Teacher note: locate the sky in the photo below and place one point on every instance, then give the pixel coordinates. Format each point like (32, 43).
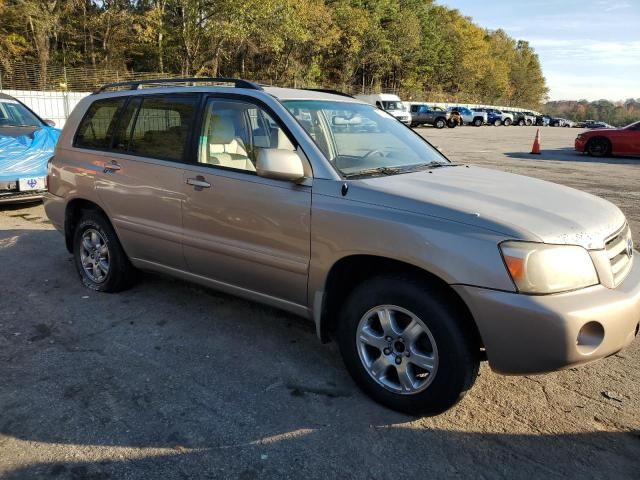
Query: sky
(588, 48)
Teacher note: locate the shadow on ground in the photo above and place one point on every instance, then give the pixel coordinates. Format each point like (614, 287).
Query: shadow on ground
(417, 454)
(570, 155)
(168, 380)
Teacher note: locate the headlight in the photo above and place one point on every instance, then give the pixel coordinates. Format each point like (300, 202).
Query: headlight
(580, 136)
(540, 268)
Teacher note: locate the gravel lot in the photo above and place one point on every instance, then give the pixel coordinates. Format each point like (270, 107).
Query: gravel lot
(171, 381)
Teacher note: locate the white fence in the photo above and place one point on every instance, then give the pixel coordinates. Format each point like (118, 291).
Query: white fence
(56, 106)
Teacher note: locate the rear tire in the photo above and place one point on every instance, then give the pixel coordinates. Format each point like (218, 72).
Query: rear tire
(521, 123)
(497, 123)
(598, 147)
(420, 319)
(507, 122)
(101, 262)
(477, 122)
(529, 123)
(452, 124)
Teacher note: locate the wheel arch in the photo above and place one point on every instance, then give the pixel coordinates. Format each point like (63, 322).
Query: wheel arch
(73, 213)
(350, 271)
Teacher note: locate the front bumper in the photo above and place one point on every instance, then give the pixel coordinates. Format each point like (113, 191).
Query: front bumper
(525, 334)
(580, 144)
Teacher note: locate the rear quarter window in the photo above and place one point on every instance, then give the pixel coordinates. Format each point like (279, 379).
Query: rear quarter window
(96, 128)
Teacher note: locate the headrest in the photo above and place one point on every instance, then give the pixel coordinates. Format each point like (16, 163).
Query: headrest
(221, 130)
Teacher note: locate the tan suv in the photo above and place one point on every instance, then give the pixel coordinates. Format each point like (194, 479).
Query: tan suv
(325, 206)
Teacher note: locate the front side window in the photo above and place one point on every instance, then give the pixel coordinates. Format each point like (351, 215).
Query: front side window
(161, 128)
(234, 132)
(14, 114)
(96, 128)
(357, 138)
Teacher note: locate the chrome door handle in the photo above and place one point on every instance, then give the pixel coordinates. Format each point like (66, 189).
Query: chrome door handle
(111, 167)
(198, 182)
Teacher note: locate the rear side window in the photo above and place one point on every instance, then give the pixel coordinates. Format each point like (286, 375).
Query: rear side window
(96, 128)
(161, 127)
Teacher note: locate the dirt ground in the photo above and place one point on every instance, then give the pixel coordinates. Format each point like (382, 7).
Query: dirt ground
(168, 380)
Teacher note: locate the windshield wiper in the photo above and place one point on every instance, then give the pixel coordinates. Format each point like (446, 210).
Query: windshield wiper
(374, 171)
(399, 169)
(430, 165)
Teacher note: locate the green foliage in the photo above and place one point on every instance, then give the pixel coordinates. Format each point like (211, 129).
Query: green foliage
(618, 114)
(415, 47)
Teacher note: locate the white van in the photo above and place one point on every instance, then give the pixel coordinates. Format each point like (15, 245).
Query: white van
(390, 104)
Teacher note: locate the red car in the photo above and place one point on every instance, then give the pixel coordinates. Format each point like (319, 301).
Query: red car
(613, 141)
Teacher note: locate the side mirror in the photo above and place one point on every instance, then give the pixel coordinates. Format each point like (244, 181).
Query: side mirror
(51, 123)
(279, 164)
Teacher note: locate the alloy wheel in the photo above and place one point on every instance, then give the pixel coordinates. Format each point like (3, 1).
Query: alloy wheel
(94, 255)
(397, 349)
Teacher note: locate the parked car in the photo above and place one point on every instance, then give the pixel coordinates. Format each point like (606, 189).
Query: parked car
(417, 266)
(543, 120)
(469, 116)
(524, 118)
(26, 144)
(496, 117)
(423, 114)
(610, 141)
(390, 104)
(598, 125)
(560, 122)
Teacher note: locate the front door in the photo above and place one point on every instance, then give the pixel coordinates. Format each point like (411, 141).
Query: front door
(241, 230)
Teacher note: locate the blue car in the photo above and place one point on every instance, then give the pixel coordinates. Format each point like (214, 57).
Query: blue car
(26, 144)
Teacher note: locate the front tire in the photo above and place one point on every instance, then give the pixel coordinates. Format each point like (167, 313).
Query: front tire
(407, 345)
(521, 123)
(507, 122)
(497, 123)
(598, 147)
(478, 122)
(101, 262)
(452, 124)
(440, 123)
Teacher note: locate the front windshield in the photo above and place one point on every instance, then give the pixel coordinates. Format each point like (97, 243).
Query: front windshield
(393, 105)
(357, 138)
(14, 114)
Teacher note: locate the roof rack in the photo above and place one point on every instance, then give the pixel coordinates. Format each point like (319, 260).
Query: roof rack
(136, 84)
(328, 90)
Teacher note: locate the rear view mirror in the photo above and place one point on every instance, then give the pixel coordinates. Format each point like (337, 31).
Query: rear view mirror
(51, 123)
(279, 164)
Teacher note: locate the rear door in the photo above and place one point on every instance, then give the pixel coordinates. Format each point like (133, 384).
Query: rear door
(140, 184)
(242, 230)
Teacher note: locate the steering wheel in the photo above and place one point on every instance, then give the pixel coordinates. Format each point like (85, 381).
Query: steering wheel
(373, 152)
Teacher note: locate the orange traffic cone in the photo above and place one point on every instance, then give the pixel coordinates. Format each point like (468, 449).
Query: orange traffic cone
(535, 150)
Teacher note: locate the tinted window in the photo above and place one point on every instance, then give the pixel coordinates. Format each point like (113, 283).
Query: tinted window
(162, 125)
(124, 126)
(96, 128)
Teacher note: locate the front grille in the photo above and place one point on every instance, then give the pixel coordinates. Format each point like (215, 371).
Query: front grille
(619, 249)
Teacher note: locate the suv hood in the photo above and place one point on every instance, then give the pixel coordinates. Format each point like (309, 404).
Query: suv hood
(517, 206)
